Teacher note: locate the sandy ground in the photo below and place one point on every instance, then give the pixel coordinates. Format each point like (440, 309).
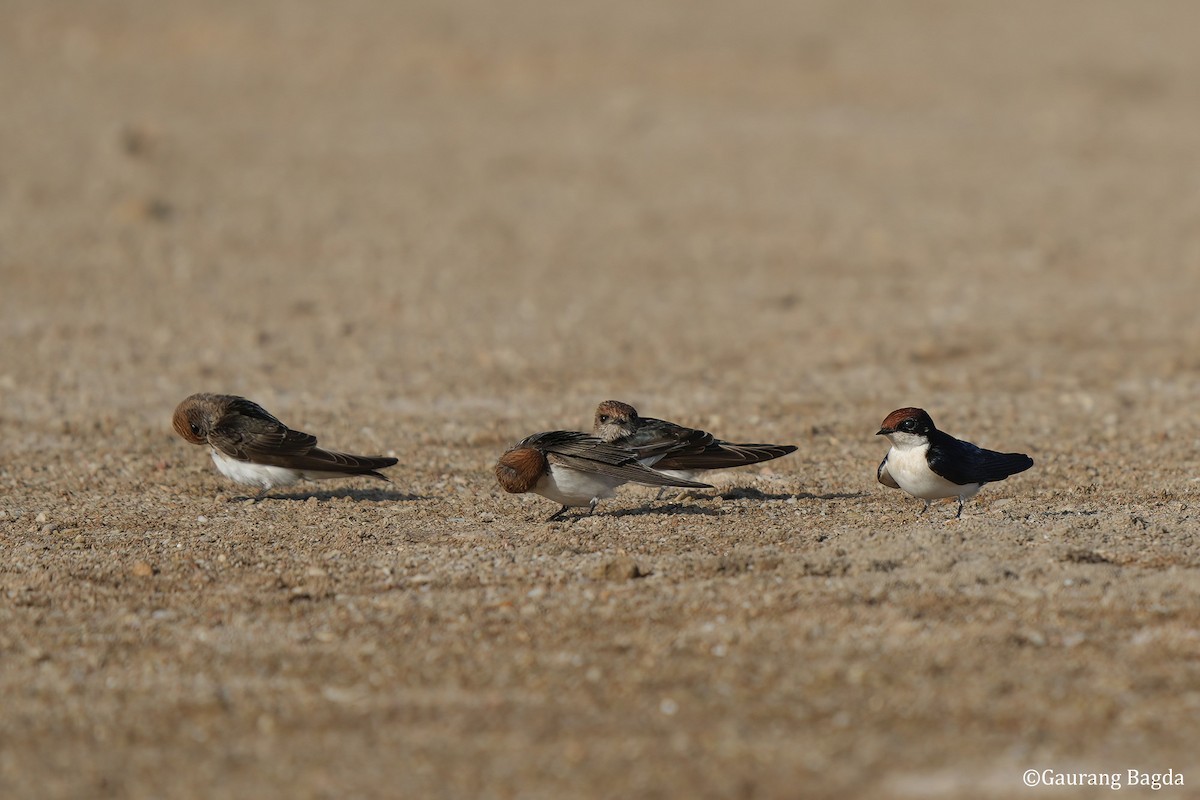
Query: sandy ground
(429, 229)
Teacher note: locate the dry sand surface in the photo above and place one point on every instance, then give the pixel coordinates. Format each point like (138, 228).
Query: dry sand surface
(429, 229)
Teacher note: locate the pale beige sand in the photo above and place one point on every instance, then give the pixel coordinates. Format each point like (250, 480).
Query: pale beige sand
(432, 228)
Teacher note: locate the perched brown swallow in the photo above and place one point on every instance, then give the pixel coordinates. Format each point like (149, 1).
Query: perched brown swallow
(251, 447)
(575, 469)
(931, 465)
(673, 449)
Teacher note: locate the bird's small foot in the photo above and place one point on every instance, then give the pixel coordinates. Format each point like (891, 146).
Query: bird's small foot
(557, 515)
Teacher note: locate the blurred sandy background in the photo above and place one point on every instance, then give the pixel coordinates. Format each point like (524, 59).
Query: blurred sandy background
(430, 229)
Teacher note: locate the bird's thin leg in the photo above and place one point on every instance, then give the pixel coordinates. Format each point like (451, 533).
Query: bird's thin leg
(658, 496)
(960, 505)
(557, 514)
(262, 493)
(592, 506)
(923, 510)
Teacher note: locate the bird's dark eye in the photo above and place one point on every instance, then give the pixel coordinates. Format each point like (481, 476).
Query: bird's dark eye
(195, 428)
(604, 417)
(908, 425)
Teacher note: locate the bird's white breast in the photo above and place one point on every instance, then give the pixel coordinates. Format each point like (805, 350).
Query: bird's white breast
(248, 474)
(908, 464)
(570, 487)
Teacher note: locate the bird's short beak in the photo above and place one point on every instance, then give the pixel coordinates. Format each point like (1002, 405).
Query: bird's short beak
(883, 432)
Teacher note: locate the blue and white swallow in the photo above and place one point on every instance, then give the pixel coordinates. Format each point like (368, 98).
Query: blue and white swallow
(932, 465)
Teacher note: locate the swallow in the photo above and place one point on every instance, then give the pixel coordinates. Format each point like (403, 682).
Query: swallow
(251, 447)
(575, 469)
(673, 449)
(930, 464)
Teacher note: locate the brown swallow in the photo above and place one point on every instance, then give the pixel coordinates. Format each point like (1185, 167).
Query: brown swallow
(575, 469)
(253, 448)
(673, 449)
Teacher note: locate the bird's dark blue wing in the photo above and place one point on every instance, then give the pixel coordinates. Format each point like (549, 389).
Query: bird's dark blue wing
(962, 462)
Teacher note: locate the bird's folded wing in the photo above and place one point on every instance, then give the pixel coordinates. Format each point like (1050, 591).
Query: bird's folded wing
(657, 439)
(249, 433)
(630, 471)
(252, 439)
(962, 462)
(722, 455)
(319, 460)
(586, 453)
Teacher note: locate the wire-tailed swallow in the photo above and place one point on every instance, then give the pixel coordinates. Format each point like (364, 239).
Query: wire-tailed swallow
(931, 465)
(251, 447)
(575, 469)
(673, 449)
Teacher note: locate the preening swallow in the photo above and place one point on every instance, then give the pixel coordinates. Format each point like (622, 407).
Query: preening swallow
(575, 469)
(931, 465)
(673, 449)
(251, 447)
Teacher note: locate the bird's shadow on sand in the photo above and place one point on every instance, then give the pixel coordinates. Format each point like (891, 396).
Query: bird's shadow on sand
(661, 508)
(366, 495)
(754, 494)
(666, 508)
